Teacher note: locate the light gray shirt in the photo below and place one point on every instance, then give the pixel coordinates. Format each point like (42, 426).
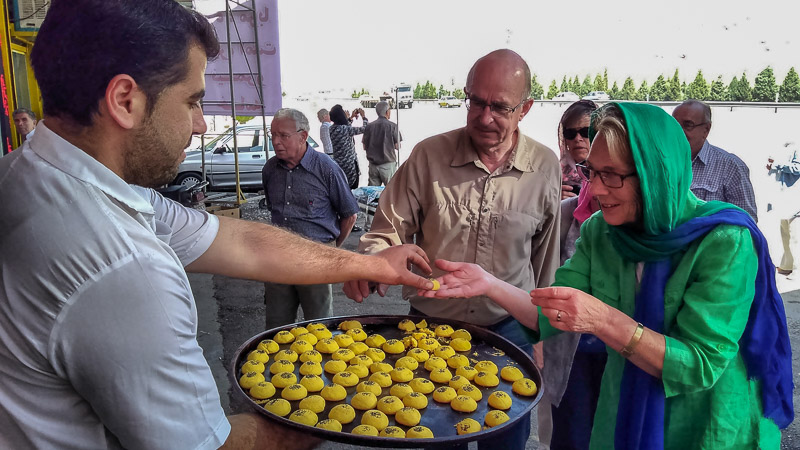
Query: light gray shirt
(98, 326)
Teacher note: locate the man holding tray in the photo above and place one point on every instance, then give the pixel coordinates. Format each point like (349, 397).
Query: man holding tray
(98, 326)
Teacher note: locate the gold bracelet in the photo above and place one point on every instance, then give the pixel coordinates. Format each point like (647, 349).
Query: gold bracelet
(628, 350)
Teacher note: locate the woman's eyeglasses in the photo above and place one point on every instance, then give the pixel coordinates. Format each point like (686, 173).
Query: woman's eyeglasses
(570, 133)
(610, 179)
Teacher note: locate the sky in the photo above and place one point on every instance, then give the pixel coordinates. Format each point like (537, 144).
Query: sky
(345, 45)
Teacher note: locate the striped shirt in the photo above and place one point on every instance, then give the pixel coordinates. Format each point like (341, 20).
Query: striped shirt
(719, 175)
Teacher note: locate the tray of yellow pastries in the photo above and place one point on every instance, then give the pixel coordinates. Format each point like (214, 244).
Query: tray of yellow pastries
(388, 381)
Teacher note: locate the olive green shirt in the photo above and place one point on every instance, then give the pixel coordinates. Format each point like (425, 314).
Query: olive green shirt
(710, 403)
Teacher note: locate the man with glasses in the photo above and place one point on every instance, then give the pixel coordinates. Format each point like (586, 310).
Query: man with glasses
(484, 194)
(716, 174)
(308, 194)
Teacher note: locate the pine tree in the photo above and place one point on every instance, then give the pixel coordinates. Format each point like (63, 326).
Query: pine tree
(564, 85)
(659, 90)
(732, 88)
(698, 89)
(586, 87)
(418, 91)
(537, 91)
(741, 91)
(718, 91)
(605, 80)
(674, 88)
(576, 85)
(614, 92)
(628, 91)
(552, 91)
(790, 89)
(764, 88)
(598, 83)
(643, 93)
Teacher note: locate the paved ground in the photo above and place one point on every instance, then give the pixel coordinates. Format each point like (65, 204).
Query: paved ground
(231, 311)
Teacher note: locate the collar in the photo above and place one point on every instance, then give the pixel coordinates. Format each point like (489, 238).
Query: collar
(78, 164)
(521, 156)
(702, 155)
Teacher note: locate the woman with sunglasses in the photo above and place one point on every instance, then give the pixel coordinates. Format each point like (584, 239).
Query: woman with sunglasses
(681, 291)
(573, 140)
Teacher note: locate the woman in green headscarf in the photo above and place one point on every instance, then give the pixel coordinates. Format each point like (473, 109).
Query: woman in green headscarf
(681, 291)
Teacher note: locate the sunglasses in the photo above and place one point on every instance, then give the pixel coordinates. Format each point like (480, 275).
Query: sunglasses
(570, 133)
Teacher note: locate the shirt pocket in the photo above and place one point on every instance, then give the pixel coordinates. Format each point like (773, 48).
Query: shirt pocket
(707, 191)
(510, 236)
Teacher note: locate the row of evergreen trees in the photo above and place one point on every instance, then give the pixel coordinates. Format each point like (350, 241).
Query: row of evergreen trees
(765, 88)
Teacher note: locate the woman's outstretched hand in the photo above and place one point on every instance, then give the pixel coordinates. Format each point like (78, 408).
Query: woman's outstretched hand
(463, 280)
(571, 309)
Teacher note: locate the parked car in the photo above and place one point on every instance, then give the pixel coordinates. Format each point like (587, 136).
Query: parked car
(597, 95)
(219, 158)
(567, 97)
(449, 101)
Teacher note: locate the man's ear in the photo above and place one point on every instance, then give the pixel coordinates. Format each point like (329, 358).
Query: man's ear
(124, 102)
(526, 106)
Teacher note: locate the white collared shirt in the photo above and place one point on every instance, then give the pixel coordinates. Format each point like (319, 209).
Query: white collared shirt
(98, 325)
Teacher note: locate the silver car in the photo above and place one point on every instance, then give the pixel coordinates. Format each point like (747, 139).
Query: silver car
(220, 167)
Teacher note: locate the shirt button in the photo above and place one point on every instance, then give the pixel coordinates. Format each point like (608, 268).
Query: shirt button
(287, 203)
(290, 187)
(472, 311)
(485, 209)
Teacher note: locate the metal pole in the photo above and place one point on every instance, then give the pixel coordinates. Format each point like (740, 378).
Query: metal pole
(228, 16)
(260, 79)
(397, 104)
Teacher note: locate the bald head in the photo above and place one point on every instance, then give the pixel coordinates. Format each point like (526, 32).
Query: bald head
(504, 61)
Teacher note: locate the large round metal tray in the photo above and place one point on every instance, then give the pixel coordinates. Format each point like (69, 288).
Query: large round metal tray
(440, 418)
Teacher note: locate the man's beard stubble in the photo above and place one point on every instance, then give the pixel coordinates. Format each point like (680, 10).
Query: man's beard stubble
(146, 158)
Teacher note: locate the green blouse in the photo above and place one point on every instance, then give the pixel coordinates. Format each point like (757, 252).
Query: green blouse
(710, 403)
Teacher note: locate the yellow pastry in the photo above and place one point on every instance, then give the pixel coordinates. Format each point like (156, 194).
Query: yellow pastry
(419, 432)
(511, 374)
(441, 375)
(407, 362)
(262, 390)
(358, 334)
(253, 366)
(409, 342)
(525, 386)
(308, 337)
(470, 391)
(444, 394)
(258, 355)
(284, 337)
(494, 418)
(408, 416)
(370, 386)
(380, 367)
(457, 382)
(329, 424)
(278, 406)
(304, 416)
(461, 345)
(343, 413)
(464, 403)
(269, 346)
(297, 331)
(313, 403)
(400, 390)
(287, 355)
(422, 324)
(359, 348)
(444, 331)
(419, 354)
(468, 426)
(326, 346)
(375, 340)
(365, 430)
(486, 379)
(311, 355)
(393, 347)
(345, 378)
(456, 361)
(282, 379)
(343, 340)
(316, 326)
(444, 352)
(461, 334)
(312, 383)
(333, 393)
(392, 432)
(416, 400)
(323, 333)
(375, 418)
(301, 346)
(358, 370)
(343, 354)
(250, 379)
(500, 400)
(434, 362)
(362, 360)
(420, 335)
(436, 284)
(335, 366)
(428, 344)
(407, 325)
(422, 385)
(467, 372)
(294, 392)
(390, 405)
(401, 374)
(310, 368)
(363, 400)
(349, 325)
(486, 366)
(382, 378)
(376, 354)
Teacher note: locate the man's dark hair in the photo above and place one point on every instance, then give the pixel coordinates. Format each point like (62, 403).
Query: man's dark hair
(83, 44)
(27, 111)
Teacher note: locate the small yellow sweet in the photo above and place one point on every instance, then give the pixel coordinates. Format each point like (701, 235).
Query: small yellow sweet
(365, 430)
(494, 418)
(308, 337)
(301, 346)
(253, 366)
(470, 391)
(281, 365)
(468, 426)
(419, 354)
(333, 393)
(313, 403)
(358, 348)
(407, 362)
(407, 325)
(401, 374)
(370, 386)
(444, 352)
(311, 355)
(456, 361)
(363, 400)
(278, 406)
(444, 394)
(362, 360)
(382, 378)
(380, 367)
(376, 354)
(284, 337)
(461, 334)
(310, 368)
(392, 432)
(316, 326)
(486, 379)
(416, 400)
(269, 346)
(419, 432)
(323, 333)
(297, 331)
(393, 347)
(420, 335)
(500, 400)
(335, 366)
(343, 354)
(441, 375)
(408, 416)
(287, 355)
(343, 340)
(444, 331)
(511, 374)
(343, 413)
(358, 334)
(467, 372)
(422, 385)
(329, 424)
(400, 390)
(258, 355)
(262, 390)
(294, 392)
(390, 404)
(375, 340)
(349, 325)
(345, 378)
(486, 366)
(436, 284)
(327, 346)
(428, 344)
(282, 379)
(464, 403)
(457, 382)
(525, 386)
(461, 345)
(358, 370)
(304, 416)
(409, 342)
(375, 418)
(250, 379)
(422, 324)
(312, 383)
(434, 362)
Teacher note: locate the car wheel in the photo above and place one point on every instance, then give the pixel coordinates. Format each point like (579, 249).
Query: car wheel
(189, 179)
(262, 203)
(410, 105)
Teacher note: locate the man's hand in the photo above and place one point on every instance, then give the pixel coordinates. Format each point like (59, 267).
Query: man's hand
(464, 280)
(390, 267)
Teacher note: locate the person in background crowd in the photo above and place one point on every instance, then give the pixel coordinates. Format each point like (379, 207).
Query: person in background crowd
(716, 174)
(785, 204)
(25, 122)
(573, 140)
(325, 130)
(381, 141)
(344, 146)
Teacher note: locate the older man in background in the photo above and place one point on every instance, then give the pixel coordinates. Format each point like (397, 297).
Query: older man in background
(325, 130)
(25, 122)
(381, 141)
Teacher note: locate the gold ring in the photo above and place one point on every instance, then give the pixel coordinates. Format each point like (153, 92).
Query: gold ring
(558, 317)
